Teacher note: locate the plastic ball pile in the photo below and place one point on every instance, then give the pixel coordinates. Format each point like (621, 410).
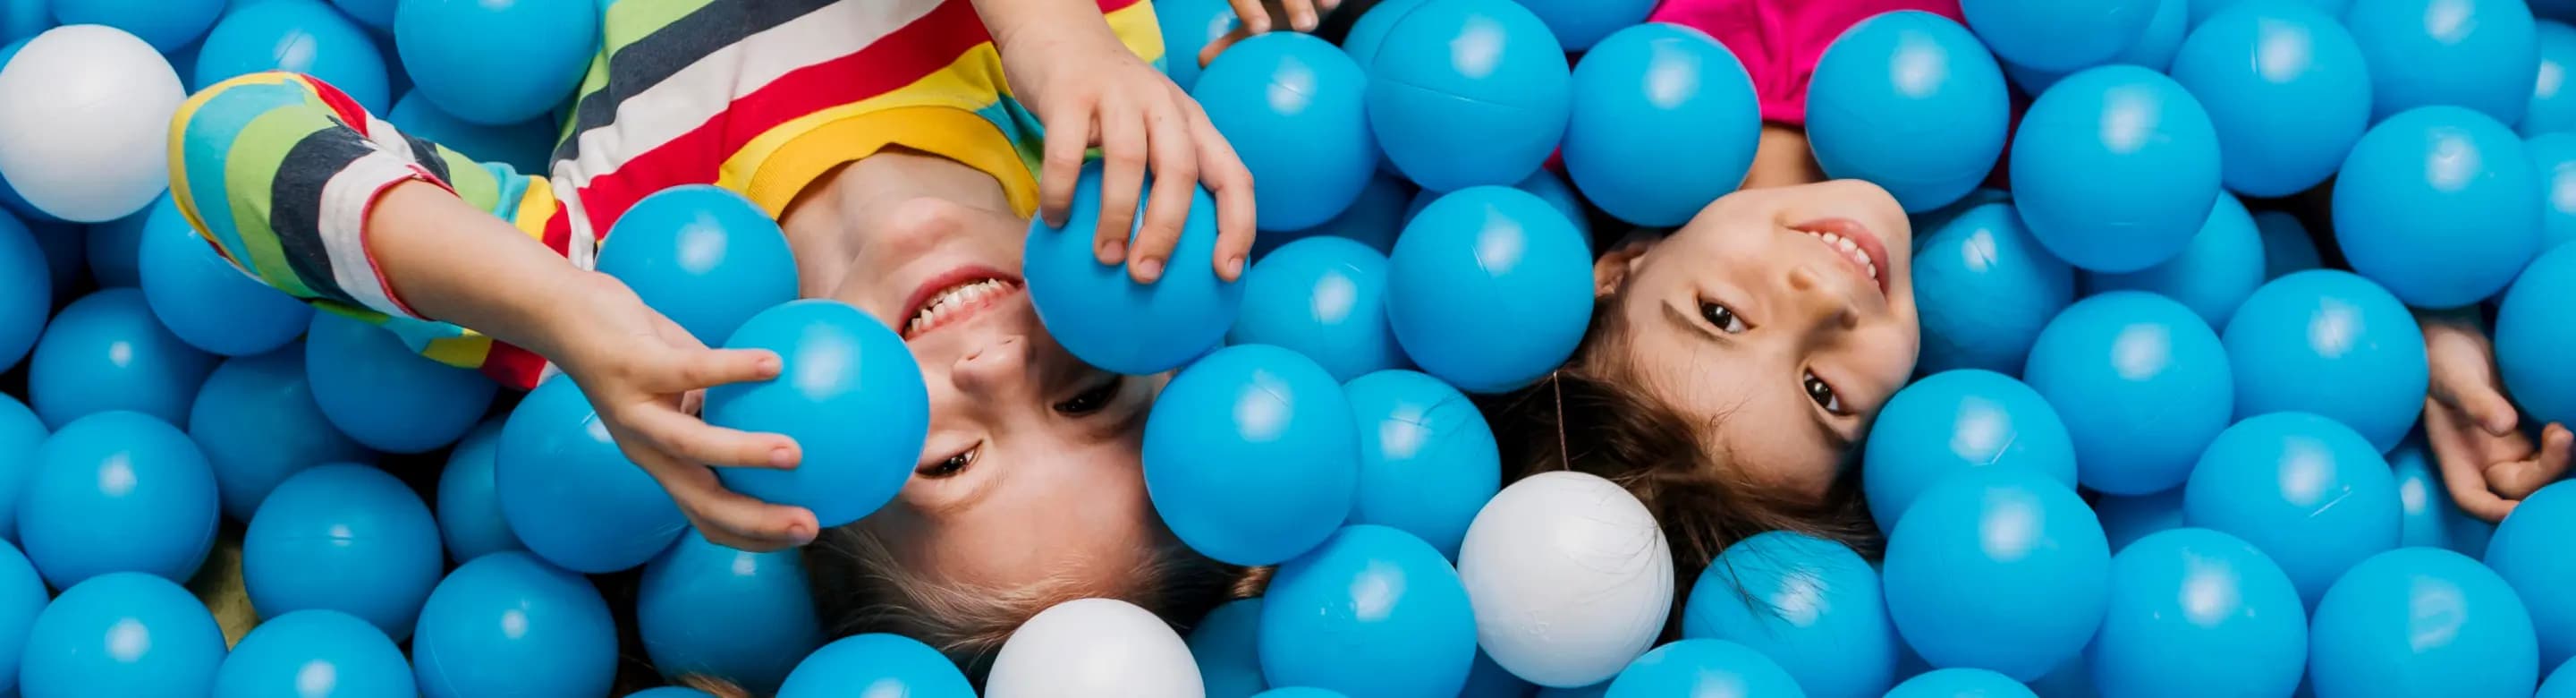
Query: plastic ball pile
(2153, 448)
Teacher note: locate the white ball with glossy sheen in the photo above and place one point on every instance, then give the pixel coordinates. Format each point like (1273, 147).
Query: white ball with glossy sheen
(1094, 648)
(85, 122)
(1570, 577)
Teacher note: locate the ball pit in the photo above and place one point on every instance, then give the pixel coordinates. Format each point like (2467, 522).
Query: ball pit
(1998, 533)
(377, 390)
(1488, 290)
(1323, 297)
(107, 352)
(1664, 121)
(298, 37)
(2529, 328)
(121, 634)
(2142, 384)
(1294, 107)
(1428, 460)
(2198, 612)
(1811, 605)
(1910, 101)
(469, 510)
(206, 301)
(2309, 492)
(2373, 635)
(1371, 611)
(1251, 455)
(2525, 554)
(444, 45)
(1985, 289)
(704, 257)
(569, 494)
(2477, 54)
(2553, 103)
(2334, 344)
(2553, 160)
(714, 611)
(1099, 312)
(2058, 36)
(346, 538)
(256, 421)
(1465, 93)
(837, 365)
(2413, 189)
(1955, 421)
(876, 660)
(315, 652)
(2114, 168)
(117, 492)
(1690, 666)
(2212, 276)
(510, 622)
(1227, 647)
(2287, 89)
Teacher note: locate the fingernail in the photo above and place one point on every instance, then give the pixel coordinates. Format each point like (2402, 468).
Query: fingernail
(1305, 20)
(800, 534)
(1258, 24)
(769, 365)
(782, 457)
(1234, 268)
(1149, 269)
(1112, 251)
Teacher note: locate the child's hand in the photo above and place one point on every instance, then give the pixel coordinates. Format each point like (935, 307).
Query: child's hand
(1089, 90)
(2487, 463)
(1258, 16)
(644, 375)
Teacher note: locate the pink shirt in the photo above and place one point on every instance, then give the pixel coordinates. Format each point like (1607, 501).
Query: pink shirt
(1780, 40)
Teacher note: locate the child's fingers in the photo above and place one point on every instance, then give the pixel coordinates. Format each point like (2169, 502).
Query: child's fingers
(2556, 444)
(667, 430)
(1226, 179)
(1167, 211)
(1301, 14)
(2462, 472)
(1256, 19)
(2485, 407)
(726, 517)
(1122, 179)
(1068, 134)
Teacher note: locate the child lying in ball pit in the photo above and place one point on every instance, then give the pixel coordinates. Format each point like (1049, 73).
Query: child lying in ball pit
(898, 142)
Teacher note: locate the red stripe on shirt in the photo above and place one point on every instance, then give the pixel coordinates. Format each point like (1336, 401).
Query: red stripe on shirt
(339, 102)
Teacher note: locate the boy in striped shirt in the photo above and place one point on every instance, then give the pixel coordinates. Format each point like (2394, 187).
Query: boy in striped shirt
(899, 144)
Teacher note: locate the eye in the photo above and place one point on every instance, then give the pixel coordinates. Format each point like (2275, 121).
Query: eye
(1823, 394)
(1092, 400)
(952, 465)
(1721, 317)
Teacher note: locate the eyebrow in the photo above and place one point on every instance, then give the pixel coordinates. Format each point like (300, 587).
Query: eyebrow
(1119, 420)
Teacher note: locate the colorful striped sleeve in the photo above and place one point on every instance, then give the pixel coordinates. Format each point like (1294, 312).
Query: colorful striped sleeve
(278, 170)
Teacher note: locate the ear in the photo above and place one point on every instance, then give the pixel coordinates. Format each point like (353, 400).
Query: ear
(1615, 265)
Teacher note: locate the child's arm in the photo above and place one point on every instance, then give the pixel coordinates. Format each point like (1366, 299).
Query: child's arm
(2487, 463)
(1088, 89)
(304, 190)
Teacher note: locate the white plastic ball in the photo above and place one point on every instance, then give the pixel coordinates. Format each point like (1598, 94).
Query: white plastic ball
(1094, 648)
(85, 122)
(1570, 577)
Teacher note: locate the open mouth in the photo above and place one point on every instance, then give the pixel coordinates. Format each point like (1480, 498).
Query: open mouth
(1855, 243)
(954, 297)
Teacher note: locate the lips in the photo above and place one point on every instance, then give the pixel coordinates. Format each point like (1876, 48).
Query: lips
(1856, 244)
(954, 296)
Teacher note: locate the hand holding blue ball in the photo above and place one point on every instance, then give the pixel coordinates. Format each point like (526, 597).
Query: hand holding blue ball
(1251, 455)
(850, 394)
(705, 257)
(1107, 319)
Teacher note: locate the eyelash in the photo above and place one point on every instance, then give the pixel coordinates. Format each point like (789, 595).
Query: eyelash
(1828, 399)
(952, 465)
(1092, 400)
(1817, 390)
(1721, 317)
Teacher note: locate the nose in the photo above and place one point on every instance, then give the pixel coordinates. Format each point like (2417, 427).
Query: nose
(987, 369)
(1825, 307)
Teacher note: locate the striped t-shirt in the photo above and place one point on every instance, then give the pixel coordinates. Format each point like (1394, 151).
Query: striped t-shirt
(757, 96)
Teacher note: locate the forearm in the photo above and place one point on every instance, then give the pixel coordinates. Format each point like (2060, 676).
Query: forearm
(449, 261)
(1016, 22)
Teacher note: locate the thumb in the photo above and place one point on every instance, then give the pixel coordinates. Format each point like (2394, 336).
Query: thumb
(2489, 410)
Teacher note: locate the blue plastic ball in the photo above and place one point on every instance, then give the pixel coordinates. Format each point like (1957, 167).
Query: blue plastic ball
(2532, 334)
(1188, 26)
(1465, 93)
(710, 610)
(2154, 50)
(1960, 683)
(22, 597)
(446, 46)
(2553, 160)
(1299, 692)
(347, 538)
(114, 249)
(2440, 205)
(570, 495)
(167, 25)
(2223, 265)
(1703, 667)
(705, 257)
(1323, 297)
(2560, 684)
(2201, 10)
(122, 634)
(1369, 32)
(2059, 36)
(206, 301)
(2142, 384)
(1551, 188)
(117, 492)
(469, 510)
(257, 424)
(24, 18)
(526, 146)
(301, 37)
(2287, 89)
(1664, 121)
(2127, 519)
(1998, 533)
(1227, 646)
(1910, 101)
(1489, 289)
(379, 392)
(2198, 612)
(26, 289)
(2334, 344)
(1584, 24)
(2115, 168)
(2552, 108)
(1985, 288)
(2478, 54)
(892, 664)
(1956, 421)
(1101, 315)
(2529, 553)
(315, 653)
(2286, 245)
(1373, 219)
(21, 436)
(1372, 612)
(2432, 520)
(1491, 680)
(510, 624)
(1295, 108)
(1251, 455)
(2422, 622)
(2308, 491)
(106, 352)
(376, 14)
(839, 367)
(1812, 605)
(62, 245)
(1428, 461)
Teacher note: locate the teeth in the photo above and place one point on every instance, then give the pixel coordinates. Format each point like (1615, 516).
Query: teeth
(951, 302)
(1851, 250)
